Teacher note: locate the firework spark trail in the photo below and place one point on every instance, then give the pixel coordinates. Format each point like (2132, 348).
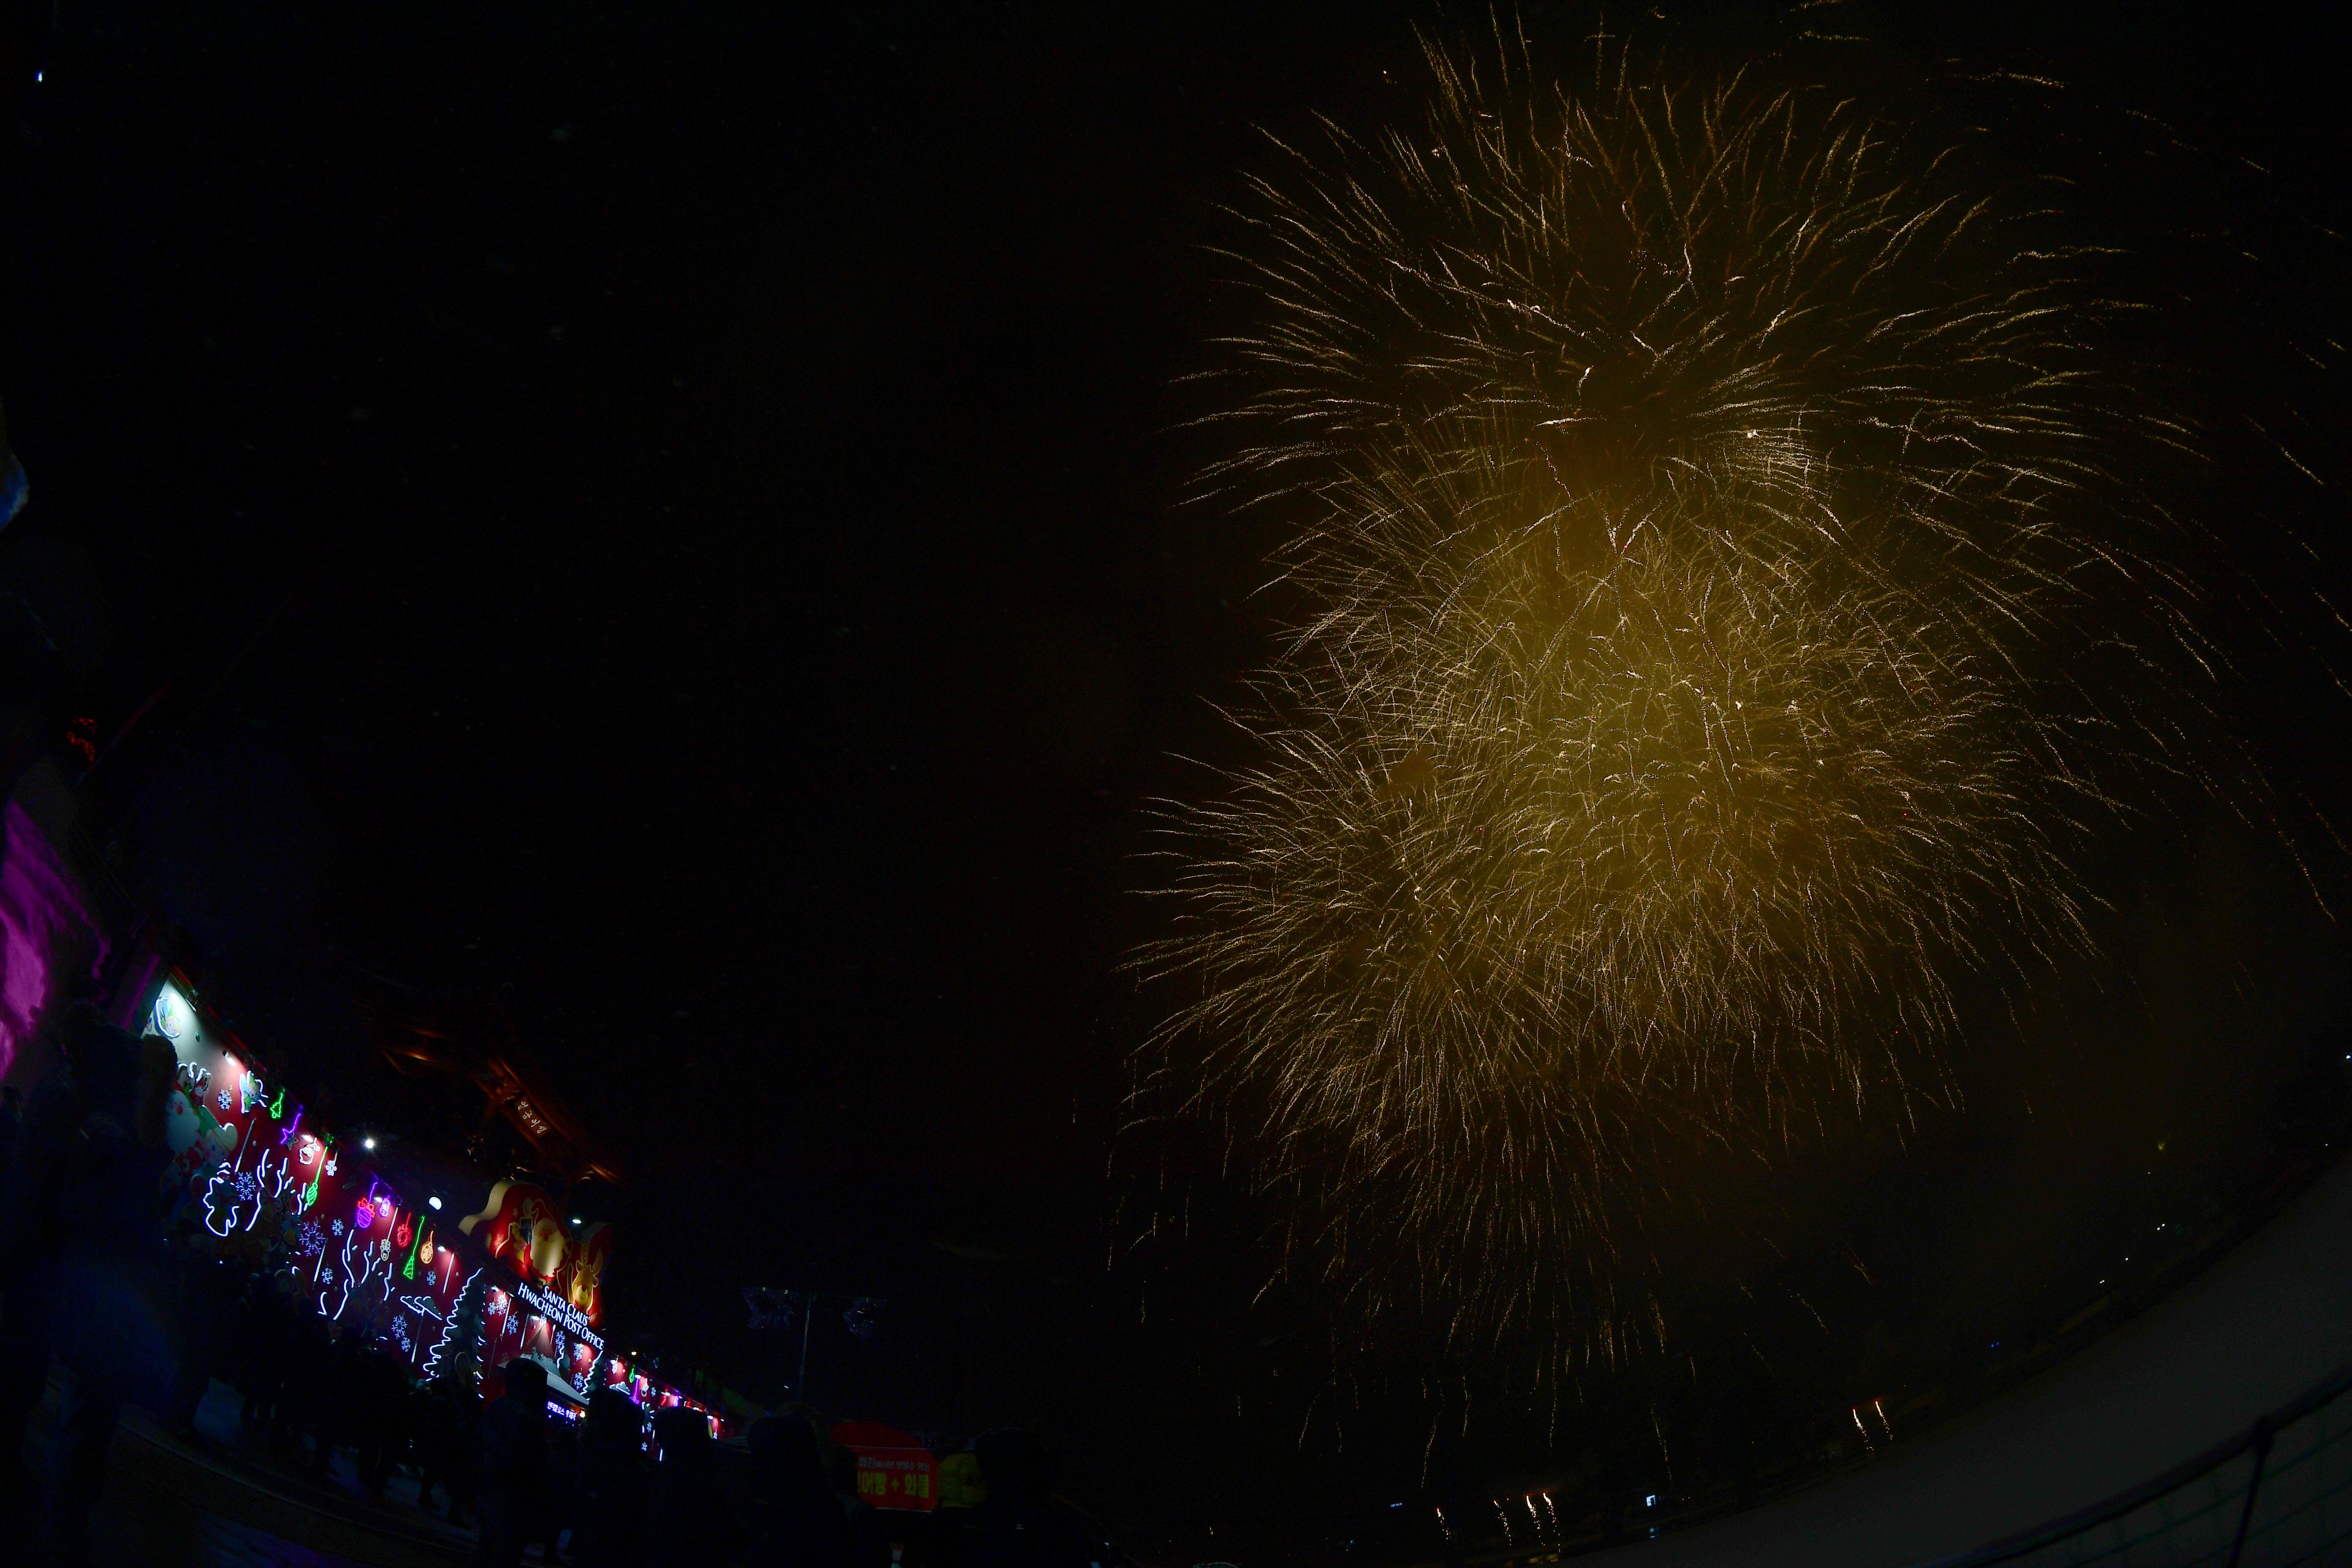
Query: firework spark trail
(1699, 493)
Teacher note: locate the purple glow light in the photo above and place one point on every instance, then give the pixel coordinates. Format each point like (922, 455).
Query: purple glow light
(45, 929)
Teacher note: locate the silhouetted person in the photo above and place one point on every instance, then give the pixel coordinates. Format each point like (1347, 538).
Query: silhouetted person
(1017, 1525)
(464, 1456)
(1616, 1488)
(304, 1348)
(333, 1412)
(513, 1458)
(382, 1418)
(870, 1537)
(608, 1517)
(444, 1461)
(689, 1523)
(794, 1519)
(561, 1501)
(207, 1291)
(244, 1361)
(29, 1245)
(940, 1535)
(82, 1196)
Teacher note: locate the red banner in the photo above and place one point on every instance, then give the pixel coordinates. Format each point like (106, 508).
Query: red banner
(894, 1470)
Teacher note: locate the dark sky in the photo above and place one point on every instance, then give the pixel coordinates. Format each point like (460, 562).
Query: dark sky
(663, 516)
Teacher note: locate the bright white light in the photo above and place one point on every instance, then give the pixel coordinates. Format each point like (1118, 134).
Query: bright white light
(367, 1142)
(1652, 1500)
(433, 1202)
(173, 1017)
(575, 1219)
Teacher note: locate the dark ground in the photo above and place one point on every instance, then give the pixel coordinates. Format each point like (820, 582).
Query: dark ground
(211, 1504)
(2266, 1323)
(662, 518)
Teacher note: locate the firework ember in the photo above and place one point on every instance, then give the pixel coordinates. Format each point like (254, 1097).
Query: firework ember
(1702, 496)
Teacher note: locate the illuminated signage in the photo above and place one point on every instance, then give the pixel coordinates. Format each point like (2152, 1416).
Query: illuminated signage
(894, 1470)
(560, 1312)
(523, 1227)
(256, 1174)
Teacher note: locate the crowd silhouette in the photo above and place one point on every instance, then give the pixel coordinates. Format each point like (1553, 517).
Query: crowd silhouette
(94, 1280)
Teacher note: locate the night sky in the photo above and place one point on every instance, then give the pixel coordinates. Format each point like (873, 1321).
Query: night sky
(663, 522)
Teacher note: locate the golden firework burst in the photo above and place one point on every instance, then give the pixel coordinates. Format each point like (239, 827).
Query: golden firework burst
(1698, 495)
